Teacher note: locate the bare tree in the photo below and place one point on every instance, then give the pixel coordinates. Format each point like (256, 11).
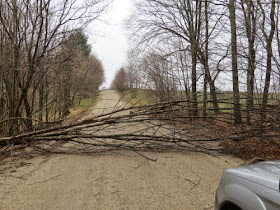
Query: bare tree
(31, 35)
(120, 81)
(250, 18)
(162, 20)
(268, 40)
(236, 95)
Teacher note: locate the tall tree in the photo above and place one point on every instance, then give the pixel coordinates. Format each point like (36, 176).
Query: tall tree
(268, 40)
(204, 58)
(78, 40)
(250, 13)
(172, 19)
(234, 54)
(120, 81)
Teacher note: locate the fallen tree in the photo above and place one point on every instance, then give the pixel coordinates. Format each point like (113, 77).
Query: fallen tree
(159, 126)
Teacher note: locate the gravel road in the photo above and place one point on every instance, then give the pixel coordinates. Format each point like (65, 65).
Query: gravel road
(114, 180)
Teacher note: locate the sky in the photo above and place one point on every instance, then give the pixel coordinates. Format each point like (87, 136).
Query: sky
(109, 40)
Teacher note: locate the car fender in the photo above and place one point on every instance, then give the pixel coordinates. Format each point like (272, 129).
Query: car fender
(240, 196)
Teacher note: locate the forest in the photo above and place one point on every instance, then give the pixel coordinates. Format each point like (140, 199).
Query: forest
(46, 64)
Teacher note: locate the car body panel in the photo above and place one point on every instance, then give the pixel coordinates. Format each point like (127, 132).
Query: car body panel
(264, 173)
(251, 187)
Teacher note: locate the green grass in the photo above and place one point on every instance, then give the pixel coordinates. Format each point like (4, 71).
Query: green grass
(83, 107)
(87, 102)
(140, 96)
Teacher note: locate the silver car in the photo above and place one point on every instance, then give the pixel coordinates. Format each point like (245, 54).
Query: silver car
(252, 187)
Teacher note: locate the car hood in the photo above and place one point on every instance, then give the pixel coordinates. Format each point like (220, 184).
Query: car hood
(263, 173)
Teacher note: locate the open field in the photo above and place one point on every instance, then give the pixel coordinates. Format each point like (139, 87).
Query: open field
(146, 96)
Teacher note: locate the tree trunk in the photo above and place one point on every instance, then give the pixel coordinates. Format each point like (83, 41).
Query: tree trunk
(13, 93)
(41, 101)
(194, 32)
(205, 97)
(207, 70)
(250, 20)
(236, 95)
(194, 86)
(28, 120)
(269, 40)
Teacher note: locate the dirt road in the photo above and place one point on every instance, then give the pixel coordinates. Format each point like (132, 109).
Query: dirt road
(115, 180)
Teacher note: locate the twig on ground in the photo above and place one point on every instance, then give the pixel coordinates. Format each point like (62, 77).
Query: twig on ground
(46, 180)
(144, 156)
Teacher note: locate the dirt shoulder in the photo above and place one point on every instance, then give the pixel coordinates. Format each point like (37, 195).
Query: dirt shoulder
(113, 180)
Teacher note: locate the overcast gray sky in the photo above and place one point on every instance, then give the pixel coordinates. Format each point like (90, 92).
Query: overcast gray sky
(109, 41)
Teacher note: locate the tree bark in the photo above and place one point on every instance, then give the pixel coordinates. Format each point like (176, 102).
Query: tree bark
(269, 39)
(236, 95)
(250, 23)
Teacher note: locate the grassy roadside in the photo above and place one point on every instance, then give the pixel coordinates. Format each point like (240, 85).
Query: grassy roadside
(80, 109)
(139, 97)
